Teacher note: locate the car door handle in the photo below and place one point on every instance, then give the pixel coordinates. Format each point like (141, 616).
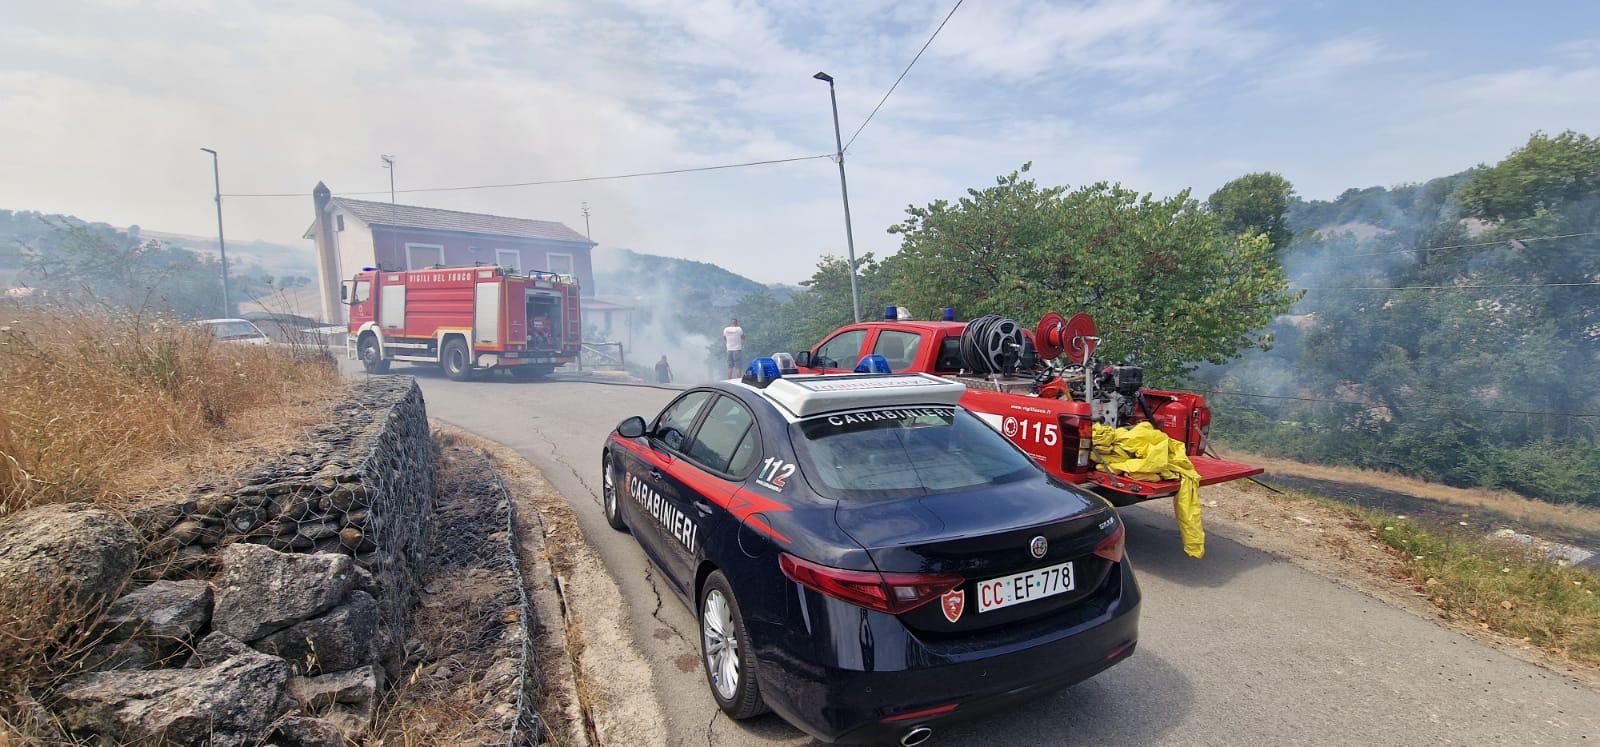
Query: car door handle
(703, 507)
(656, 474)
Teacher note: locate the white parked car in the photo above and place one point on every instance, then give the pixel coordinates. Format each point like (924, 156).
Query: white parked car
(237, 331)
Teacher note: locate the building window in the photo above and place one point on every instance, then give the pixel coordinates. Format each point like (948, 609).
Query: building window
(558, 263)
(338, 221)
(423, 256)
(508, 258)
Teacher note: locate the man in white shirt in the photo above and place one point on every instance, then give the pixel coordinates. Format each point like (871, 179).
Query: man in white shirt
(733, 335)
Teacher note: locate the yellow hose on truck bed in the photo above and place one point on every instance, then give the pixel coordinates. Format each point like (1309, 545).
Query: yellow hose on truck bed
(1145, 453)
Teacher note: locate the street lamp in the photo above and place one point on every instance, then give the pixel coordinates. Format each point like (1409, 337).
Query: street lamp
(216, 177)
(844, 191)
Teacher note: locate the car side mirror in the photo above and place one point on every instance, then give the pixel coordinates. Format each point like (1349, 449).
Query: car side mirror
(803, 358)
(344, 292)
(631, 428)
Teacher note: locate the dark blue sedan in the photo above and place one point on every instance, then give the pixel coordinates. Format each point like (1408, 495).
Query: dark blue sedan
(867, 558)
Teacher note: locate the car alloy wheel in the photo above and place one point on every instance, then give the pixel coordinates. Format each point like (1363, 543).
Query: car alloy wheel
(608, 495)
(729, 658)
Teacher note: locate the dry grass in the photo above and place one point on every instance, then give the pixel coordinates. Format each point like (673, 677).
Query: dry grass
(119, 409)
(99, 406)
(1499, 586)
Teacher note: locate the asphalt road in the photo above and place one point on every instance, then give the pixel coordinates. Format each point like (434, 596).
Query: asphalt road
(1240, 648)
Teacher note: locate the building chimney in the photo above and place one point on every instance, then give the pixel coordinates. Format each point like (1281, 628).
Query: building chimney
(328, 270)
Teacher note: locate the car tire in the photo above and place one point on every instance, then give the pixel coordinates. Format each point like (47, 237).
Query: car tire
(456, 360)
(371, 357)
(726, 653)
(610, 501)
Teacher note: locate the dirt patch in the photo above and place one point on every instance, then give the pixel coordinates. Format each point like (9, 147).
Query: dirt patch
(1335, 545)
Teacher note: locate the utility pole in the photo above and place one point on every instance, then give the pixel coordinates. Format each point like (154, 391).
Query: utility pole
(849, 234)
(222, 246)
(388, 163)
(586, 222)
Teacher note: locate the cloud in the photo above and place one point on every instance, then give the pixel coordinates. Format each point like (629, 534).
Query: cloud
(1021, 39)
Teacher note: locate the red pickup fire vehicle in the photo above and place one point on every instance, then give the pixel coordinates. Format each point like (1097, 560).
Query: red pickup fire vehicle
(1014, 383)
(464, 319)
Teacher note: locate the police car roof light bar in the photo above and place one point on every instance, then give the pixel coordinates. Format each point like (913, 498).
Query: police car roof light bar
(807, 395)
(873, 363)
(761, 372)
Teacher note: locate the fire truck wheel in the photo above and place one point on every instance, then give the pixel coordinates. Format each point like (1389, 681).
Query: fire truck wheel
(457, 362)
(371, 359)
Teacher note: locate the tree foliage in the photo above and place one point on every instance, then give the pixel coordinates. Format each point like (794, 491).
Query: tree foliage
(1548, 172)
(1165, 285)
(1467, 358)
(1255, 203)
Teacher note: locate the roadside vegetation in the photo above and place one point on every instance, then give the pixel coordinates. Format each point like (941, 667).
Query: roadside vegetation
(118, 408)
(1493, 585)
(101, 405)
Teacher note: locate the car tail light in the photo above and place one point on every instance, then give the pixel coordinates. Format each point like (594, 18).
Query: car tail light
(894, 593)
(1075, 453)
(1110, 548)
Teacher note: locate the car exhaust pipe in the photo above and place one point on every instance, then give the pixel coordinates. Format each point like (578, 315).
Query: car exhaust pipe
(916, 736)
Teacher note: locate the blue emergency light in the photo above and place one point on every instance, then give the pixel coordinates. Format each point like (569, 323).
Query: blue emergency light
(949, 314)
(873, 363)
(761, 372)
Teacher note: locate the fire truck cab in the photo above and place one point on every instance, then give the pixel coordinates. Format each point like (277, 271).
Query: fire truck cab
(464, 319)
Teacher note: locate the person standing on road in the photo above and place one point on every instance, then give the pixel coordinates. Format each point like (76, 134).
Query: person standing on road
(663, 371)
(733, 335)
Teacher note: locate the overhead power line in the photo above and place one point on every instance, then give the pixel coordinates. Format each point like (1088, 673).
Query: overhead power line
(544, 182)
(1444, 287)
(925, 44)
(1526, 240)
(1439, 408)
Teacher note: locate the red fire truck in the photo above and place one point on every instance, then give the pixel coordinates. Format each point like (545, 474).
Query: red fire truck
(464, 319)
(1014, 382)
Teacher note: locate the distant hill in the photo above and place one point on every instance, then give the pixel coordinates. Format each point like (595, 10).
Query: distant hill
(624, 273)
(282, 260)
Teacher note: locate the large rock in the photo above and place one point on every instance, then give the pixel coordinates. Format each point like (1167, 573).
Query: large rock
(165, 609)
(66, 555)
(356, 686)
(344, 638)
(232, 703)
(261, 590)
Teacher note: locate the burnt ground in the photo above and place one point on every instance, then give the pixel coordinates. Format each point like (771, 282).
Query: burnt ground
(464, 681)
(1438, 516)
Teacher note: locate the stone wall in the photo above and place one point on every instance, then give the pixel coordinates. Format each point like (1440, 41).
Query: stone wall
(362, 485)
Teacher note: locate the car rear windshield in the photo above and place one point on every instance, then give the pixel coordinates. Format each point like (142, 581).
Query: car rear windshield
(894, 452)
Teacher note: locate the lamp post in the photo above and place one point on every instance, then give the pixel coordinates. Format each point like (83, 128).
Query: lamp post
(844, 191)
(222, 247)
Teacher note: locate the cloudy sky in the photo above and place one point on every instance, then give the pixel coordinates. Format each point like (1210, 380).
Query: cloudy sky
(105, 105)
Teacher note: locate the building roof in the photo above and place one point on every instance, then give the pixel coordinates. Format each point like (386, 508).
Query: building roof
(412, 216)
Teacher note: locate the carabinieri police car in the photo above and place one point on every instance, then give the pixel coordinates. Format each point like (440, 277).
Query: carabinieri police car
(865, 557)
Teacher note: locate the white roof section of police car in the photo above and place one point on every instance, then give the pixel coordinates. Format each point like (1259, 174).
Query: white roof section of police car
(807, 395)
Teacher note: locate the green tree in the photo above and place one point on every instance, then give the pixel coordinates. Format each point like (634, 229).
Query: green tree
(1255, 203)
(115, 268)
(825, 304)
(1551, 172)
(1166, 286)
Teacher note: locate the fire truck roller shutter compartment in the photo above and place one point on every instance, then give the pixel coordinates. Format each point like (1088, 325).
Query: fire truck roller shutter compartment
(486, 313)
(392, 307)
